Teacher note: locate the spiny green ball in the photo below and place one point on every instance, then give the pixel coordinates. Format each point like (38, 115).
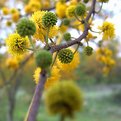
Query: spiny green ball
(49, 19)
(67, 36)
(26, 27)
(80, 9)
(64, 98)
(66, 22)
(65, 56)
(88, 50)
(85, 1)
(43, 58)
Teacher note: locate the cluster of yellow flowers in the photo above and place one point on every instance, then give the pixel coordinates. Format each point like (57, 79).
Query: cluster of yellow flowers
(15, 14)
(108, 30)
(41, 31)
(104, 55)
(32, 6)
(60, 8)
(36, 5)
(12, 63)
(54, 76)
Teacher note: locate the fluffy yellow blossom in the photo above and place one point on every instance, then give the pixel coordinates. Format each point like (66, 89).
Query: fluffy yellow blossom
(46, 4)
(32, 6)
(73, 2)
(64, 98)
(8, 23)
(36, 75)
(63, 28)
(70, 66)
(60, 8)
(54, 76)
(108, 30)
(104, 55)
(14, 10)
(70, 11)
(16, 44)
(5, 11)
(15, 17)
(104, 51)
(12, 63)
(40, 30)
(89, 36)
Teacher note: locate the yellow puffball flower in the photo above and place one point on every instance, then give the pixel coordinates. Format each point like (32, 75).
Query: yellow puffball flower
(54, 77)
(63, 28)
(36, 75)
(35, 5)
(32, 6)
(108, 30)
(17, 45)
(12, 63)
(41, 32)
(70, 11)
(15, 17)
(70, 66)
(8, 23)
(27, 9)
(46, 4)
(73, 2)
(14, 10)
(5, 11)
(53, 31)
(64, 98)
(60, 7)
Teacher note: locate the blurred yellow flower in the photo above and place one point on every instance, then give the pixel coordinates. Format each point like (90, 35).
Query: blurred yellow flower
(70, 11)
(12, 63)
(108, 30)
(54, 76)
(5, 10)
(60, 8)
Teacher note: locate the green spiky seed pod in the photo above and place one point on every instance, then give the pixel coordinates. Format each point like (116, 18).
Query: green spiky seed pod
(88, 50)
(66, 22)
(64, 98)
(49, 19)
(104, 1)
(85, 1)
(67, 36)
(26, 27)
(43, 58)
(65, 56)
(80, 9)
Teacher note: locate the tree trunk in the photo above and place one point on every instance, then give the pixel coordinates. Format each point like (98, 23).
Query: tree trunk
(11, 104)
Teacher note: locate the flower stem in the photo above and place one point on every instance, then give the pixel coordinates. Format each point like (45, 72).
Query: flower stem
(31, 42)
(62, 118)
(35, 103)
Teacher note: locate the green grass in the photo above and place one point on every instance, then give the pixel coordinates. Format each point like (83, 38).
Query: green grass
(97, 107)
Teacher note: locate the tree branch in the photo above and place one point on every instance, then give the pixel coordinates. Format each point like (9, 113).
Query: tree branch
(81, 37)
(34, 106)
